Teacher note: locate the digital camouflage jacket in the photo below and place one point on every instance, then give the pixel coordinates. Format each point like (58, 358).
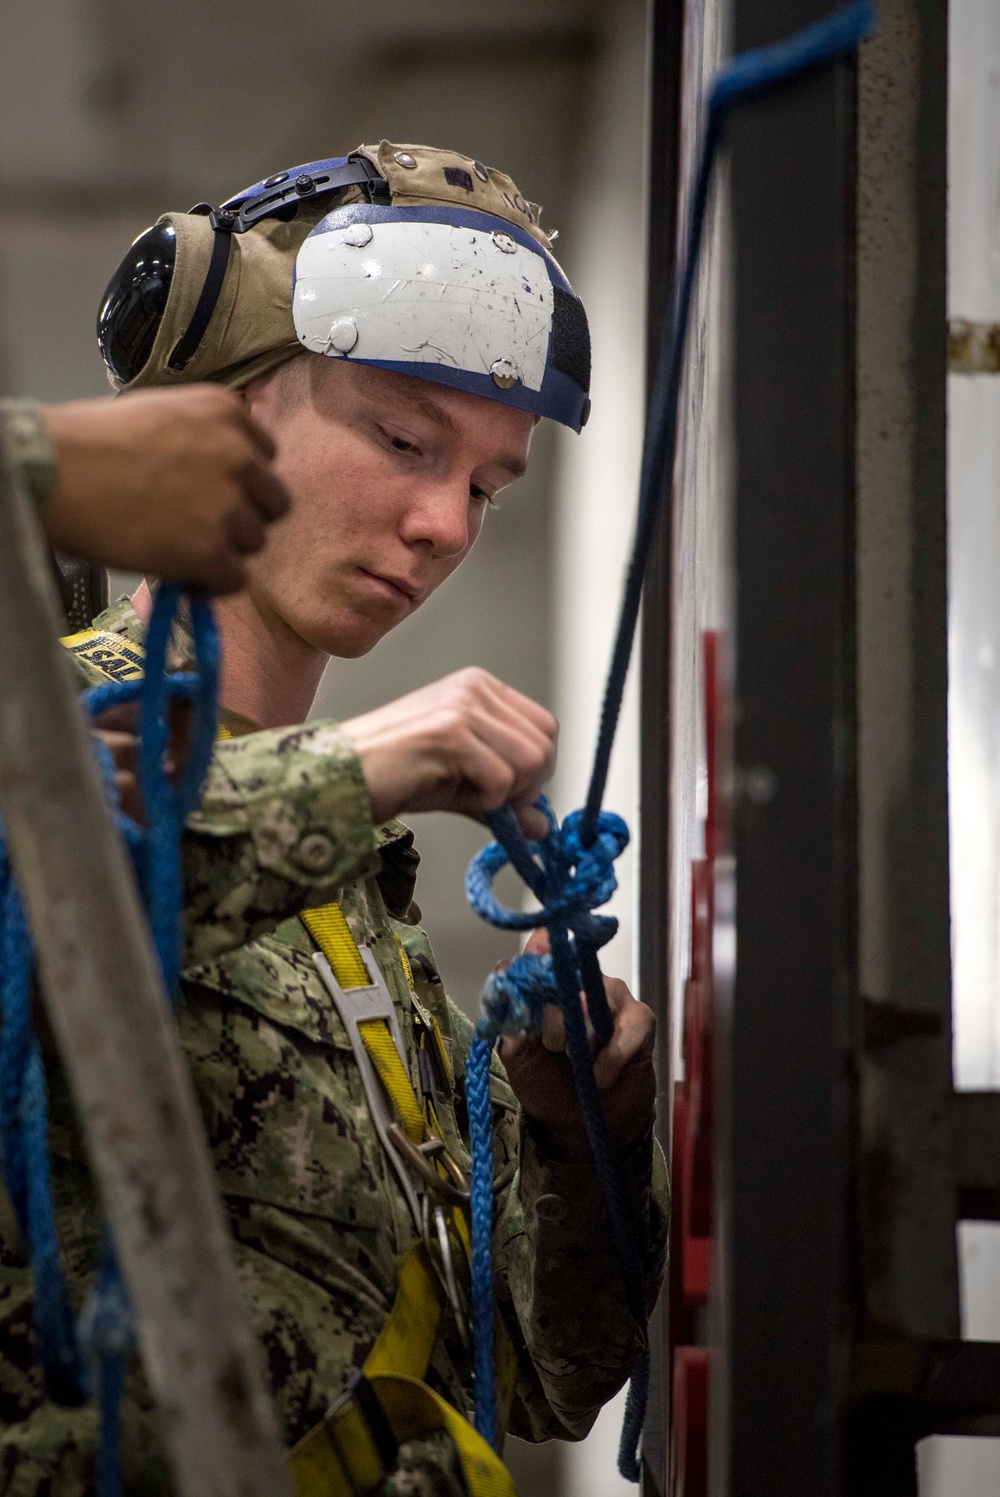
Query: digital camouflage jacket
(318, 1219)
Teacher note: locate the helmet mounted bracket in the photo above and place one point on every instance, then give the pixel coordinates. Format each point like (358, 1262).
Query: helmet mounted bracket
(240, 214)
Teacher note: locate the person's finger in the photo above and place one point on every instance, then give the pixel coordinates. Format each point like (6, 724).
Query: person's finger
(530, 755)
(181, 721)
(124, 718)
(533, 746)
(129, 798)
(617, 993)
(553, 1028)
(218, 578)
(266, 491)
(259, 435)
(123, 748)
(631, 1043)
(533, 823)
(483, 781)
(538, 942)
(246, 530)
(517, 703)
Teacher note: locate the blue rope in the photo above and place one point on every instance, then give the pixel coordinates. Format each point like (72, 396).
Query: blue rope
(567, 885)
(105, 1334)
(477, 1096)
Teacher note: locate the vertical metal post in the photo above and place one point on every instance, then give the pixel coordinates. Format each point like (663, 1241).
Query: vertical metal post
(783, 1205)
(119, 1045)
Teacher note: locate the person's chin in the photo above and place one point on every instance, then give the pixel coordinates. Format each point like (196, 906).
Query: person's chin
(349, 638)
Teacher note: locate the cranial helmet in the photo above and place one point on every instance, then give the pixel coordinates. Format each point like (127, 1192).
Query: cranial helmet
(401, 257)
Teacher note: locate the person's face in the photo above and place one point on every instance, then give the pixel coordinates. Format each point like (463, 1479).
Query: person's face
(390, 478)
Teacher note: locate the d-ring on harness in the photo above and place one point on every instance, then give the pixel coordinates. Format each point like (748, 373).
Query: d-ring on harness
(571, 872)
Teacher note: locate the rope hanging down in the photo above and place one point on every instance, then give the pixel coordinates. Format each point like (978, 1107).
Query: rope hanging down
(104, 1335)
(571, 872)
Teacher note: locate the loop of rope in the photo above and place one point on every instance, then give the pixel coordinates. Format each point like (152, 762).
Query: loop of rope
(105, 1333)
(556, 871)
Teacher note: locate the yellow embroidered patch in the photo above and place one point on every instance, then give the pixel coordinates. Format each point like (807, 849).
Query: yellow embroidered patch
(112, 654)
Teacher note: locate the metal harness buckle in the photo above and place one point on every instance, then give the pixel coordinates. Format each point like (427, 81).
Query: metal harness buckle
(357, 1006)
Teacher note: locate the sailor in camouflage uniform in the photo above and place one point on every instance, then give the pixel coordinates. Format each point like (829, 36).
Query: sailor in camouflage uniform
(294, 819)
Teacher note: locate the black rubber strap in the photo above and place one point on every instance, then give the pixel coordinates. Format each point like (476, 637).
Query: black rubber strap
(187, 346)
(356, 172)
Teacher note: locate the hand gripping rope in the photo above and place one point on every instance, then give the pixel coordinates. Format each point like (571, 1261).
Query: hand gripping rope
(104, 1334)
(571, 872)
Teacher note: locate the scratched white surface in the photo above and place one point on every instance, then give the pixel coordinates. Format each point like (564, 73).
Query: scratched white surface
(425, 293)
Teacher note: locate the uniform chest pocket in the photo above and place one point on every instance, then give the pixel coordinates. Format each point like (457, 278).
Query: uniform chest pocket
(281, 1095)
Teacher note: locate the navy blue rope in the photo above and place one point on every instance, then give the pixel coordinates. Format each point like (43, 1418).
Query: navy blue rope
(105, 1332)
(835, 36)
(556, 870)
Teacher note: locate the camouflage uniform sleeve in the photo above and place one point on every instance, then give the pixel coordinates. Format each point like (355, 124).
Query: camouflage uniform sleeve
(28, 446)
(285, 820)
(560, 1279)
(557, 1281)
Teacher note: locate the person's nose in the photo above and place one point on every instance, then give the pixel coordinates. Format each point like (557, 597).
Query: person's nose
(441, 518)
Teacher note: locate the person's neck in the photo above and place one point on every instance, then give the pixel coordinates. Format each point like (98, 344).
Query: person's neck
(269, 674)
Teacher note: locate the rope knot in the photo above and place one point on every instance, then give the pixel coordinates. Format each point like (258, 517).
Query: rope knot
(513, 998)
(569, 878)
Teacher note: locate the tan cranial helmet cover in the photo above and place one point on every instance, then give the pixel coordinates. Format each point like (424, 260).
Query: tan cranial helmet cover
(251, 330)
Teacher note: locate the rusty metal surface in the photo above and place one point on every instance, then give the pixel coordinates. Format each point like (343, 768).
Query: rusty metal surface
(973, 347)
(105, 999)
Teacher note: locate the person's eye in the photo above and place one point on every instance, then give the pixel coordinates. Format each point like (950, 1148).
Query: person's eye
(398, 443)
(480, 496)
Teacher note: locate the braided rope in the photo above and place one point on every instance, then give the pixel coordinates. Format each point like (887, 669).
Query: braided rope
(556, 870)
(477, 1095)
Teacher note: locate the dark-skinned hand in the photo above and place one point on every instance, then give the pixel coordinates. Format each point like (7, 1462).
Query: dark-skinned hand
(118, 728)
(539, 1071)
(175, 482)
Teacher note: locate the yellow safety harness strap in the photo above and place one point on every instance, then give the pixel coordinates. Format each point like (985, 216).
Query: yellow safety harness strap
(353, 1450)
(385, 1058)
(329, 929)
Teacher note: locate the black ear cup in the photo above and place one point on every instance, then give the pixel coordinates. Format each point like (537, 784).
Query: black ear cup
(133, 305)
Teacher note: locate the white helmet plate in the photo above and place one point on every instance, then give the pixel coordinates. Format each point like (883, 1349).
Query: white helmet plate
(426, 293)
(451, 296)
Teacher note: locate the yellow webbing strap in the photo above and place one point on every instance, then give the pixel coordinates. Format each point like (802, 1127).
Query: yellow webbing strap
(113, 655)
(332, 934)
(340, 1458)
(385, 1058)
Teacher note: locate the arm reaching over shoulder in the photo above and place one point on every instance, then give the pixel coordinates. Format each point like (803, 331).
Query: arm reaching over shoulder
(174, 482)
